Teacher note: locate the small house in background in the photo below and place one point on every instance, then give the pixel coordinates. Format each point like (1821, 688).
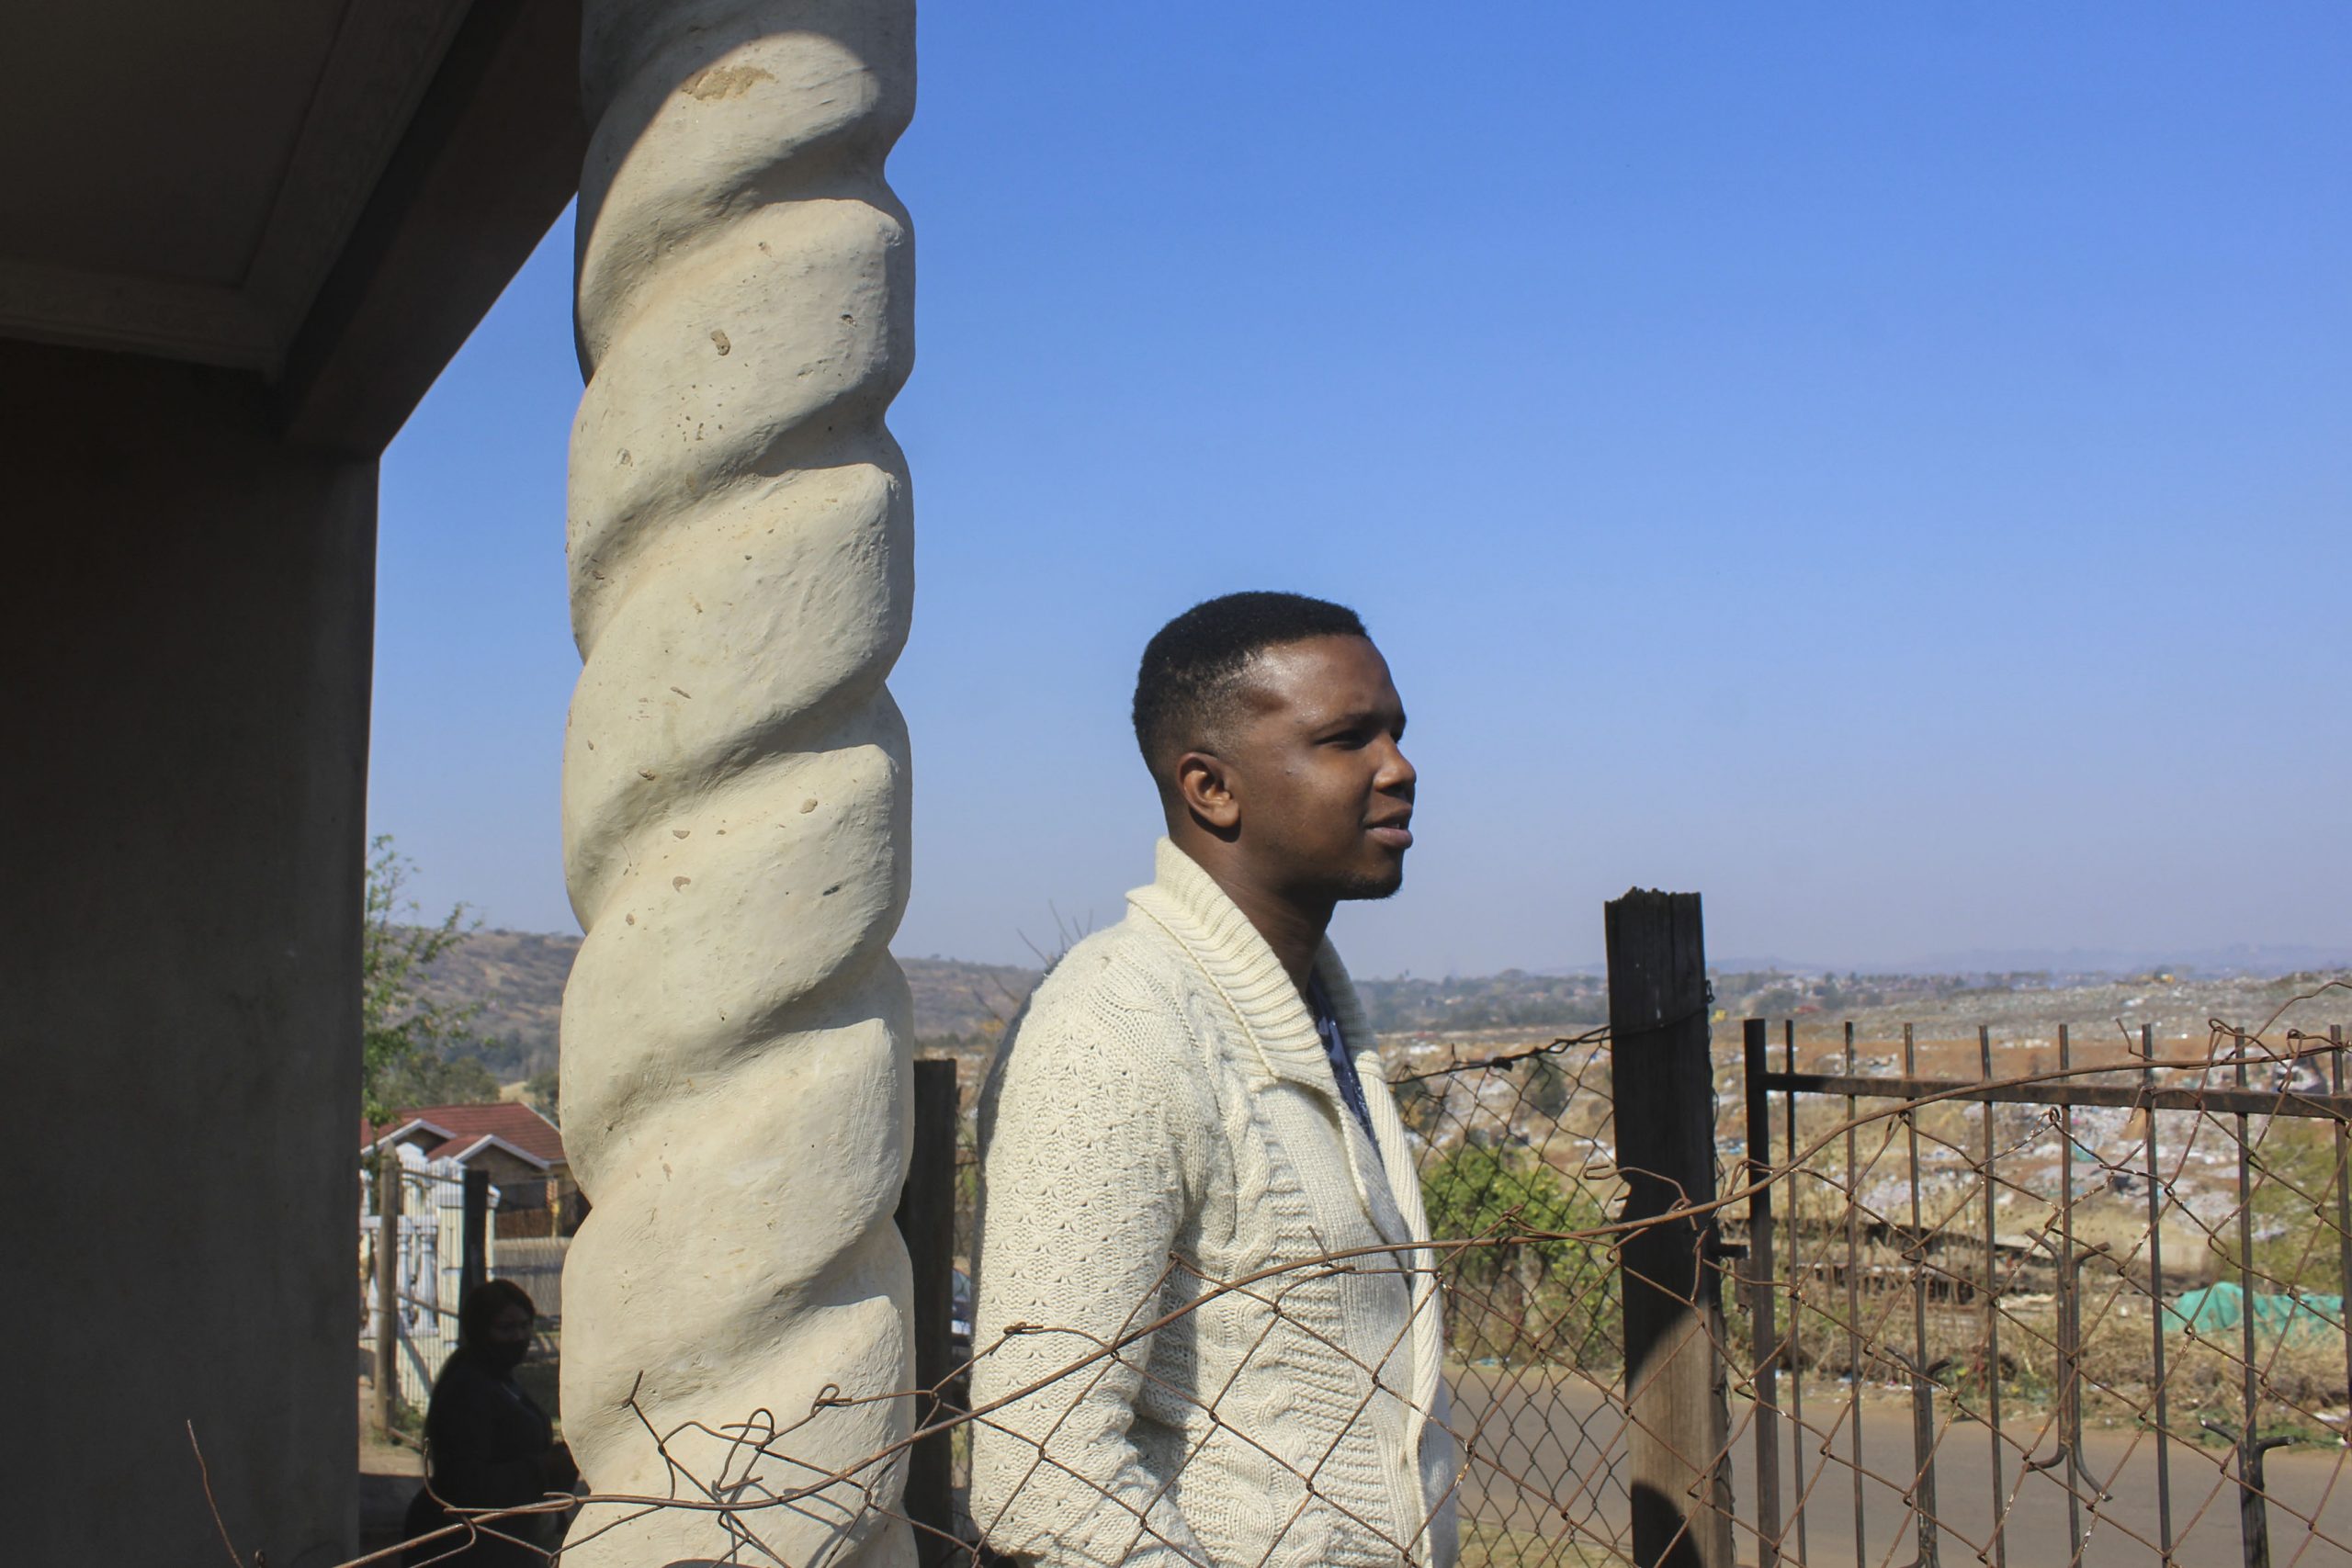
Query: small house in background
(520, 1150)
(533, 1208)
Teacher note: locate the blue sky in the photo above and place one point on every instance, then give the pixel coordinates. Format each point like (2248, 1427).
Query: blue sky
(1886, 469)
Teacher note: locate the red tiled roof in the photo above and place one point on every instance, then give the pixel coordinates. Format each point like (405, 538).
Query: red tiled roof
(463, 1126)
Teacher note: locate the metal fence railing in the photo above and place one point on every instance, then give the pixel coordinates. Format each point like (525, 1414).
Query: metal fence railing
(1910, 1302)
(2057, 1305)
(452, 1231)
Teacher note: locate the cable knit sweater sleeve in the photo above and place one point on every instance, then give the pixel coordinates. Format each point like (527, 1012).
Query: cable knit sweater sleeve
(1091, 1153)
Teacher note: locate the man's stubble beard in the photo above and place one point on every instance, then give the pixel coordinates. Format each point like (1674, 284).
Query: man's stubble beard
(1369, 889)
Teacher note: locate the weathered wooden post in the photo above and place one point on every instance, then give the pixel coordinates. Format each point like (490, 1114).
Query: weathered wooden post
(1663, 1084)
(1765, 1341)
(388, 1287)
(927, 1222)
(473, 1234)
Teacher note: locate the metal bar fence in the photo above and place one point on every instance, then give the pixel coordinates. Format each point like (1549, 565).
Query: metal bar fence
(2103, 1266)
(2039, 1253)
(2130, 1272)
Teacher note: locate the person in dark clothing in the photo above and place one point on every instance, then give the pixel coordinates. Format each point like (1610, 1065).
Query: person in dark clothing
(487, 1443)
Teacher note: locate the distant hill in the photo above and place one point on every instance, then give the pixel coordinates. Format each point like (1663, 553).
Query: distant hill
(2211, 963)
(517, 978)
(954, 1000)
(1512, 999)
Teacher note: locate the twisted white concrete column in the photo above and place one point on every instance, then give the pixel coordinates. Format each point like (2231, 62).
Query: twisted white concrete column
(735, 1034)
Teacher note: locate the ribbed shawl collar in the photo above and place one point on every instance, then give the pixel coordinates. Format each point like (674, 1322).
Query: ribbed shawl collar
(1187, 903)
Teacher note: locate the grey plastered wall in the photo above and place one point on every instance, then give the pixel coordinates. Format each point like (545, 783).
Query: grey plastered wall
(186, 634)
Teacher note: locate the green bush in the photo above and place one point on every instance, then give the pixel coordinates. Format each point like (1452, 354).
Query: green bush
(1515, 1296)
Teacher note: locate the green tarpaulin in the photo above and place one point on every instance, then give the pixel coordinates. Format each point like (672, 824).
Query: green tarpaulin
(2296, 1318)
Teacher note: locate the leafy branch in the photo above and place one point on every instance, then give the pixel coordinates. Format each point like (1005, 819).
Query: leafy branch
(403, 1032)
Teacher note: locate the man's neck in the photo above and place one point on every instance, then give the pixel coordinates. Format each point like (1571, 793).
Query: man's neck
(1294, 930)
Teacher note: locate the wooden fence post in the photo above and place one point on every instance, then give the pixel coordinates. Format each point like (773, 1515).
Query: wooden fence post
(1762, 1306)
(388, 1285)
(1663, 1084)
(473, 1234)
(927, 1222)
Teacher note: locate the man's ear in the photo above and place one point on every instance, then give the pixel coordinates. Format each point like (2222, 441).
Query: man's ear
(1204, 783)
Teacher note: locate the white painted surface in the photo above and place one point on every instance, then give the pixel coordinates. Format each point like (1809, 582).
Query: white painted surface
(735, 1034)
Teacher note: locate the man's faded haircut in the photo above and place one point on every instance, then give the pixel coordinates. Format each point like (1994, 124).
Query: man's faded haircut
(1193, 671)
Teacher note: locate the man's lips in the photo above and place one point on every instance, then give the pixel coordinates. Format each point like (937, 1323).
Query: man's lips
(1393, 832)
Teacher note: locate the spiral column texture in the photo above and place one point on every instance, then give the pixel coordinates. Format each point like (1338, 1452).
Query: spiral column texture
(735, 1034)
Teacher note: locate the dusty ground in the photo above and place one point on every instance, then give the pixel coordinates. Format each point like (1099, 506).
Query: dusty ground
(388, 1477)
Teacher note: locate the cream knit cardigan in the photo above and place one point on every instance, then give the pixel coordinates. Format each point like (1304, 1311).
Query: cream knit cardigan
(1164, 1096)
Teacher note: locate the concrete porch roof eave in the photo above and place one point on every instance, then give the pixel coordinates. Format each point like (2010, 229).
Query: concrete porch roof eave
(327, 197)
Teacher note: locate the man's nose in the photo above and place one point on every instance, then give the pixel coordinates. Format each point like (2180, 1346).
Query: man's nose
(1397, 774)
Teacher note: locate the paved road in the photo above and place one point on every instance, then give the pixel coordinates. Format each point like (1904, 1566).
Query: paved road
(1557, 1443)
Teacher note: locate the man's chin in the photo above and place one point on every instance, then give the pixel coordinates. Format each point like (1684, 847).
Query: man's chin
(1373, 886)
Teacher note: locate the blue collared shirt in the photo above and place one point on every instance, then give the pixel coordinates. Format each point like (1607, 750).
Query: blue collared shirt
(1343, 1067)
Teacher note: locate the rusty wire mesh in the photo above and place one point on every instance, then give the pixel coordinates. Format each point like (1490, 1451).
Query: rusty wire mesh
(1518, 1165)
(2051, 1301)
(2048, 1303)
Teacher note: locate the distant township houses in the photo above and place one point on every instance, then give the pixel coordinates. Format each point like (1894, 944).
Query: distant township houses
(520, 1150)
(508, 1139)
(533, 1210)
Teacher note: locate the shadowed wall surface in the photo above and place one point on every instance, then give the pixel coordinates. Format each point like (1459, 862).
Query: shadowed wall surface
(188, 637)
(252, 238)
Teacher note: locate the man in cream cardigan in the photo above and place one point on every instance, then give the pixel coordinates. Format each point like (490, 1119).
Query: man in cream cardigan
(1204, 1332)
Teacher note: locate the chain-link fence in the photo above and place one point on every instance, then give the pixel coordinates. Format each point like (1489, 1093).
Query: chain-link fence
(1517, 1159)
(2049, 1301)
(2026, 1299)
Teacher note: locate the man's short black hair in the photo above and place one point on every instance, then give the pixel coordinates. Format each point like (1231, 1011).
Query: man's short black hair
(1192, 666)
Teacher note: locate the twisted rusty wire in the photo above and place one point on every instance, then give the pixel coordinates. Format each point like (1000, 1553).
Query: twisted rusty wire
(1517, 1154)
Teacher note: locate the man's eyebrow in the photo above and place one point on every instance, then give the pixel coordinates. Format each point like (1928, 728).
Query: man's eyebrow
(1363, 716)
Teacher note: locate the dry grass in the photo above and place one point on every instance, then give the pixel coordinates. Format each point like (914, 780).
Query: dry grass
(1491, 1545)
